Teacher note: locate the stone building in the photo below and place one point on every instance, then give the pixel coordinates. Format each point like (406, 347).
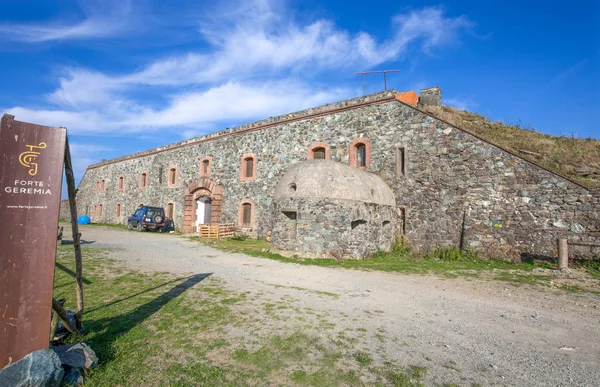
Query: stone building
(323, 208)
(451, 188)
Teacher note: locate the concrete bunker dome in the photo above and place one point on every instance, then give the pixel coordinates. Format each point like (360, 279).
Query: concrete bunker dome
(323, 208)
(326, 179)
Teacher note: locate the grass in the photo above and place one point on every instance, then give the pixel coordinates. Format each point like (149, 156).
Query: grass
(560, 154)
(400, 259)
(159, 329)
(447, 262)
(67, 226)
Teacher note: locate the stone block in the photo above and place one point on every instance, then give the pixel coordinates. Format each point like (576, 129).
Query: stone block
(76, 355)
(40, 368)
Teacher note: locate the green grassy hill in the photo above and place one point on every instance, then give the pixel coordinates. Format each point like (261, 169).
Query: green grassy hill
(575, 158)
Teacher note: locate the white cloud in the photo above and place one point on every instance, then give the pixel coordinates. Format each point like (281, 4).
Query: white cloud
(248, 71)
(230, 102)
(256, 42)
(430, 26)
(102, 19)
(81, 88)
(86, 149)
(235, 101)
(461, 103)
(75, 121)
(82, 155)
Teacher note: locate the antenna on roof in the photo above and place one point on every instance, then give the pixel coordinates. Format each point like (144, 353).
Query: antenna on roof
(376, 72)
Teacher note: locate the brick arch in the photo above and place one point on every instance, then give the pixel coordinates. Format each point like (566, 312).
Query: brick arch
(352, 152)
(201, 188)
(316, 145)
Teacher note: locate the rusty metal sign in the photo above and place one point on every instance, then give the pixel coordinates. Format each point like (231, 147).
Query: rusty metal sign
(31, 163)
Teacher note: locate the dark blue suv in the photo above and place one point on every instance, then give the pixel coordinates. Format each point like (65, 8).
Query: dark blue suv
(147, 218)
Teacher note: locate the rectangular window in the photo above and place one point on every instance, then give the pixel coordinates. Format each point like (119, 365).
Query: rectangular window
(361, 155)
(121, 183)
(247, 215)
(118, 210)
(172, 176)
(400, 162)
(249, 167)
(292, 224)
(319, 154)
(170, 210)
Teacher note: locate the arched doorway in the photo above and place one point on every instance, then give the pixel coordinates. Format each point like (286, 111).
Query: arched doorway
(203, 210)
(202, 204)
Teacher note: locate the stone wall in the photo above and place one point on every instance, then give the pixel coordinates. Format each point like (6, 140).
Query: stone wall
(333, 228)
(458, 190)
(65, 211)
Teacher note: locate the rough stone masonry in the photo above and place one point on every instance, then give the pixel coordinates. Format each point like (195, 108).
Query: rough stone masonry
(451, 188)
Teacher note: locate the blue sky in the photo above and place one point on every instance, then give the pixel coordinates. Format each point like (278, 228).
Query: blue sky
(125, 76)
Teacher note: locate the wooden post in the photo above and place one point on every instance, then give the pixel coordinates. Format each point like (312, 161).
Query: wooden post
(55, 319)
(76, 235)
(62, 314)
(563, 254)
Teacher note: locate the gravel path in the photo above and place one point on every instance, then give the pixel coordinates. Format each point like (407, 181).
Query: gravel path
(466, 331)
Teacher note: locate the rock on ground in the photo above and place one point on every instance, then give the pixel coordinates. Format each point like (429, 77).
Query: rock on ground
(74, 377)
(77, 355)
(40, 369)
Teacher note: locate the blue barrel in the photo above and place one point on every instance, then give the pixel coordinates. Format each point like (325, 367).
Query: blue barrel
(83, 219)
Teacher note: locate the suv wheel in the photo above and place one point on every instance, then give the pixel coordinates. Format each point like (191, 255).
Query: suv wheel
(140, 227)
(157, 219)
(129, 226)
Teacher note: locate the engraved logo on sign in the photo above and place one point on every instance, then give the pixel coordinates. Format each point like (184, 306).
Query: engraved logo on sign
(27, 158)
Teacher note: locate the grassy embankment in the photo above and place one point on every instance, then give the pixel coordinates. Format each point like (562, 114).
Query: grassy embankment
(575, 158)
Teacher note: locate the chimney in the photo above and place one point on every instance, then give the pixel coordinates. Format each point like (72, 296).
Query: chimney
(431, 96)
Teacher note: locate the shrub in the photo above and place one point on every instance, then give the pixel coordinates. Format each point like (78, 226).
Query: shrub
(239, 237)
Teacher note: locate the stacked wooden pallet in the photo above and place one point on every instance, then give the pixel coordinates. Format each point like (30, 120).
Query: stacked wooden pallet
(216, 231)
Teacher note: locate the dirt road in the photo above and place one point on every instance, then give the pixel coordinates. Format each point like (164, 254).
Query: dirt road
(465, 331)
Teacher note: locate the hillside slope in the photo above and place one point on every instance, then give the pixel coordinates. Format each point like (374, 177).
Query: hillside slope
(575, 158)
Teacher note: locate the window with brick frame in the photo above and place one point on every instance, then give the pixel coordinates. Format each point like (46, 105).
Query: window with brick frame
(319, 150)
(360, 153)
(144, 180)
(247, 214)
(205, 167)
(101, 185)
(172, 178)
(169, 211)
(121, 183)
(99, 210)
(118, 214)
(248, 167)
(319, 153)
